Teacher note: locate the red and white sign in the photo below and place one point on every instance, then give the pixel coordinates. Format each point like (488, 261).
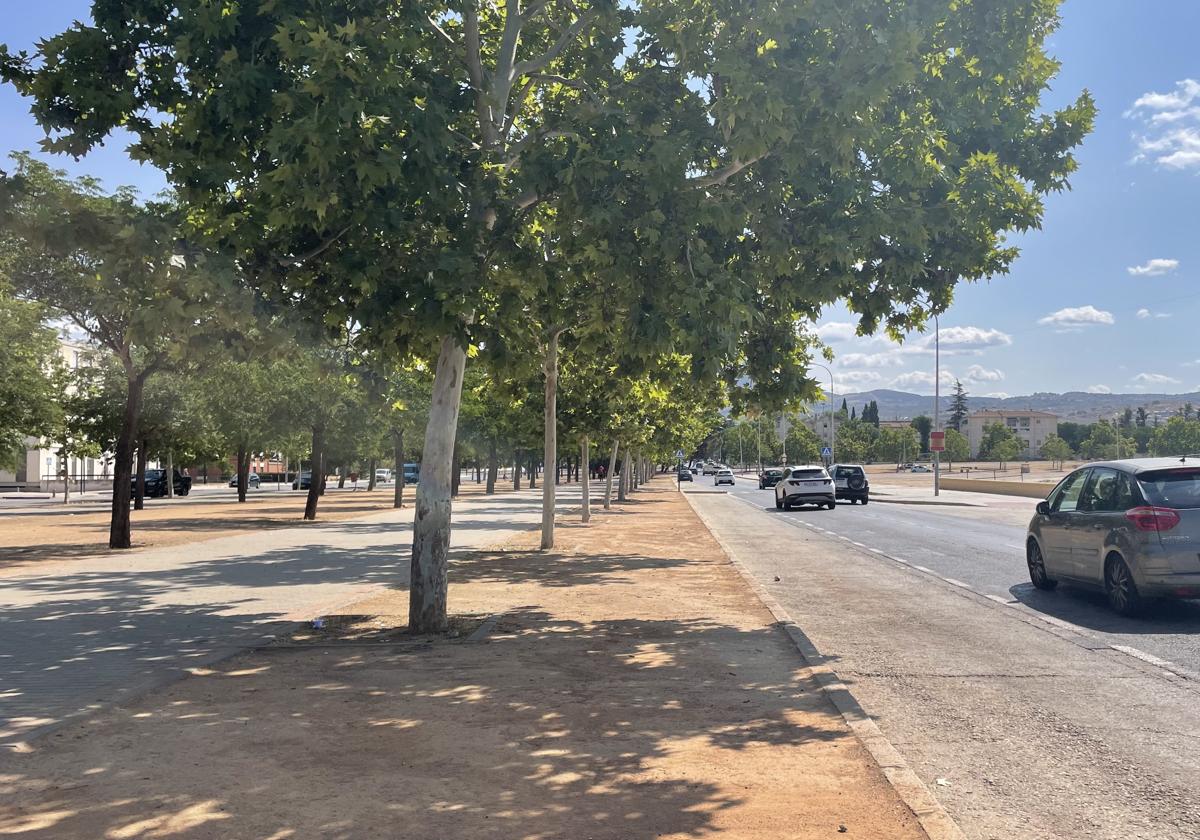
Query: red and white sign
(937, 441)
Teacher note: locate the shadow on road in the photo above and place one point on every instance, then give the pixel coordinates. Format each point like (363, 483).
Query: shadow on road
(1088, 608)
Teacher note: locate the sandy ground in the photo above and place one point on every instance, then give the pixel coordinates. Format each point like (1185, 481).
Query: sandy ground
(632, 688)
(40, 535)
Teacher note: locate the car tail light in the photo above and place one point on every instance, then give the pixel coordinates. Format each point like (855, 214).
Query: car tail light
(1148, 518)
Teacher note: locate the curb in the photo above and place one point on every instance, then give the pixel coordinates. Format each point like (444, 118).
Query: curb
(934, 819)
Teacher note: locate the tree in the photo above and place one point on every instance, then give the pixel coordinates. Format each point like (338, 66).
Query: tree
(924, 426)
(958, 407)
(1106, 442)
(803, 445)
(957, 446)
(1056, 450)
(1126, 422)
(813, 165)
(897, 445)
(855, 442)
(1000, 443)
(1179, 436)
(1074, 433)
(1141, 417)
(117, 270)
(31, 376)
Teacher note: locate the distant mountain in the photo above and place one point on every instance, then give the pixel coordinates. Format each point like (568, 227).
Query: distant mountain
(1078, 406)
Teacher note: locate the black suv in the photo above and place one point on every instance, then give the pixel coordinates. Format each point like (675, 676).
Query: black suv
(850, 481)
(156, 484)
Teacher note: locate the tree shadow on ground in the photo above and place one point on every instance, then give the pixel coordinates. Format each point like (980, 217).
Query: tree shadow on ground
(553, 728)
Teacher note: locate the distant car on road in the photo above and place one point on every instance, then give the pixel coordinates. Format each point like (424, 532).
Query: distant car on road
(156, 484)
(769, 478)
(412, 473)
(684, 474)
(383, 476)
(252, 480)
(850, 482)
(806, 484)
(724, 475)
(1130, 528)
(709, 468)
(302, 481)
(920, 468)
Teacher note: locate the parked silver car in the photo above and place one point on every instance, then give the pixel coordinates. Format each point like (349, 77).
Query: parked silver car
(1130, 527)
(807, 484)
(724, 475)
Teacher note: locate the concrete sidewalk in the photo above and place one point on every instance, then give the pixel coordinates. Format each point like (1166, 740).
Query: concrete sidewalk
(631, 687)
(76, 634)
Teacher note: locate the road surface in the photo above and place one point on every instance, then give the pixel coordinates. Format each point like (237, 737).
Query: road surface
(1029, 714)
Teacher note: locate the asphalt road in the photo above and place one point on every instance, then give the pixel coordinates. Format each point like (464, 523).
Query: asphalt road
(1028, 714)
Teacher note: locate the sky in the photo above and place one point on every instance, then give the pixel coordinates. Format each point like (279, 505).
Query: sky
(1100, 296)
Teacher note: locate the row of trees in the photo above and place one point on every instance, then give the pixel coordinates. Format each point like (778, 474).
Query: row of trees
(622, 187)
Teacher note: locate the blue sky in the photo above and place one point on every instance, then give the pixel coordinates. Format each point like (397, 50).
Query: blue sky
(1099, 298)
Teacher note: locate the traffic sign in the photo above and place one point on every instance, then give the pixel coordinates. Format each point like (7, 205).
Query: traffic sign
(826, 452)
(678, 453)
(937, 441)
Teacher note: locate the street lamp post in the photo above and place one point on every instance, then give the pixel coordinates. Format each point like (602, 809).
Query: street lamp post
(937, 403)
(832, 421)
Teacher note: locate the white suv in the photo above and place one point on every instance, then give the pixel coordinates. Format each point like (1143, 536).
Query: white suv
(850, 481)
(723, 476)
(806, 484)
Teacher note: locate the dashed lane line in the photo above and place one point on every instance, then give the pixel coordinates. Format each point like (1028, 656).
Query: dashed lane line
(1171, 668)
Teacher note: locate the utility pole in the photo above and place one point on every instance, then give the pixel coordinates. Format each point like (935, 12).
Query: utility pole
(832, 418)
(937, 402)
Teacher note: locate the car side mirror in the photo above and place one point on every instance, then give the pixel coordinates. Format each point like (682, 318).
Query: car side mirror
(1043, 508)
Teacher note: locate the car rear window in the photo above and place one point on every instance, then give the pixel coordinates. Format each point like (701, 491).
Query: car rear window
(808, 474)
(1177, 489)
(849, 472)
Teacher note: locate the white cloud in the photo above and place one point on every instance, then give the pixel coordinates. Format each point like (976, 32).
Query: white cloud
(869, 360)
(1147, 380)
(998, 395)
(1078, 316)
(1099, 389)
(962, 340)
(857, 378)
(921, 380)
(1153, 268)
(1143, 314)
(836, 331)
(1172, 126)
(979, 374)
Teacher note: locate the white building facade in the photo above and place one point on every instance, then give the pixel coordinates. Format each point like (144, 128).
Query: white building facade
(1033, 427)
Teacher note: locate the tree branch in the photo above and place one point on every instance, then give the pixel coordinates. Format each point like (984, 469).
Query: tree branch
(534, 65)
(288, 262)
(515, 151)
(433, 24)
(475, 71)
(718, 178)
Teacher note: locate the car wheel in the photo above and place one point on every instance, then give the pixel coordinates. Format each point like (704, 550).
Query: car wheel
(778, 504)
(831, 505)
(1122, 592)
(787, 505)
(1037, 567)
(863, 500)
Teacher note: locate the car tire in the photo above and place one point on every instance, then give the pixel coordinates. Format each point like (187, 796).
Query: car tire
(1120, 589)
(831, 505)
(778, 504)
(1037, 568)
(863, 500)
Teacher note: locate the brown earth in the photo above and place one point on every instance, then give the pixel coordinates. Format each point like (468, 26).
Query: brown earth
(29, 537)
(633, 688)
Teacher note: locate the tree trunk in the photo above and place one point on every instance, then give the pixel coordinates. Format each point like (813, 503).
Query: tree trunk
(170, 474)
(118, 528)
(493, 469)
(317, 473)
(431, 527)
(608, 478)
(139, 495)
(517, 470)
(398, 460)
(372, 465)
(532, 473)
(585, 485)
(623, 477)
(550, 431)
(456, 475)
(341, 476)
(243, 472)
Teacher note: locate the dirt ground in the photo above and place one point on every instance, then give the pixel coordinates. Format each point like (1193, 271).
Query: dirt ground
(633, 687)
(39, 534)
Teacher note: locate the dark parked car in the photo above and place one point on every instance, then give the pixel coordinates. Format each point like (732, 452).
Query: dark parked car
(302, 481)
(769, 478)
(412, 473)
(252, 480)
(156, 484)
(1128, 527)
(685, 474)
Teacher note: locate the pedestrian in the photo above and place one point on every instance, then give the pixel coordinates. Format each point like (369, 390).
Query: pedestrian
(354, 480)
